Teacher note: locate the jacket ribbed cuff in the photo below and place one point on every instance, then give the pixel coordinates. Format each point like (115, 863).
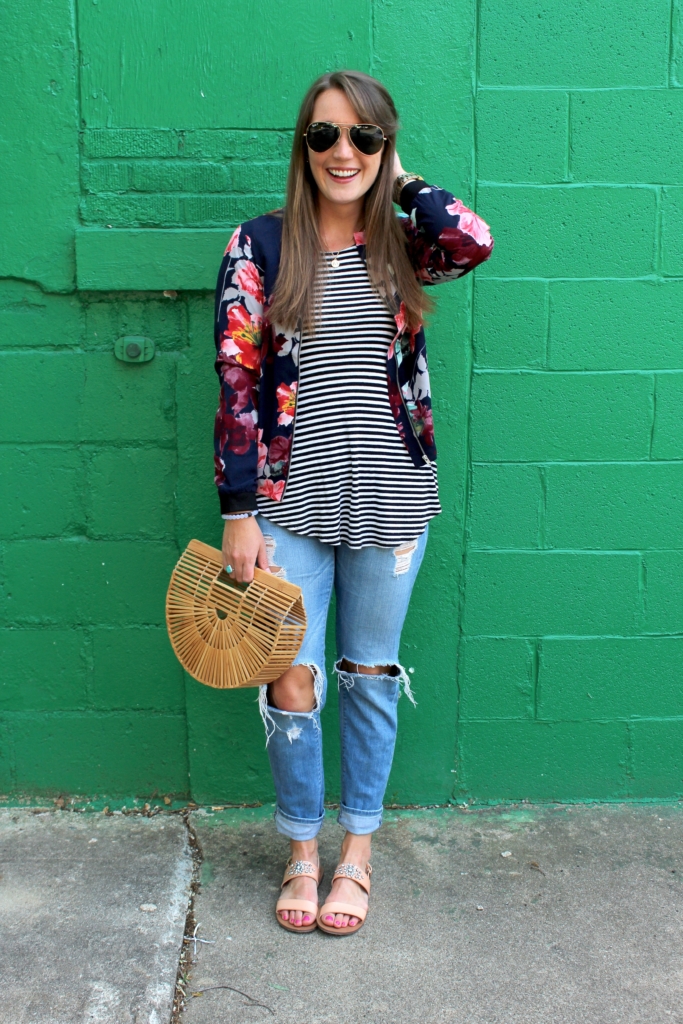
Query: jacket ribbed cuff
(408, 193)
(243, 501)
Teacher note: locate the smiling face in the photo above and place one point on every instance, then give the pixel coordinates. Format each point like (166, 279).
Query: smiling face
(342, 174)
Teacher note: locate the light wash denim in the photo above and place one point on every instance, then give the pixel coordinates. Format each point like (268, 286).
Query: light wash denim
(373, 587)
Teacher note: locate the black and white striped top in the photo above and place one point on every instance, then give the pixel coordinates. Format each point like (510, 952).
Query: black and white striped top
(351, 478)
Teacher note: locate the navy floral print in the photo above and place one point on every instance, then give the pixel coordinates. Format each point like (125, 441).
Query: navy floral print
(258, 361)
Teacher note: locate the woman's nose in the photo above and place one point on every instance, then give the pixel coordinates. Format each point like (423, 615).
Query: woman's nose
(343, 149)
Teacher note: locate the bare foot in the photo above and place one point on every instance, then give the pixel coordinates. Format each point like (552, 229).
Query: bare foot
(355, 850)
(301, 888)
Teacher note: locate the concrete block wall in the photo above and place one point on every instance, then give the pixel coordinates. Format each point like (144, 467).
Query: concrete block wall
(572, 649)
(91, 698)
(546, 630)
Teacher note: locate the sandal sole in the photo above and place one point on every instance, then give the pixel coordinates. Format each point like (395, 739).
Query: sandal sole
(340, 932)
(303, 929)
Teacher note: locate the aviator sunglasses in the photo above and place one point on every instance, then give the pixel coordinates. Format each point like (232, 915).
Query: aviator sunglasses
(323, 135)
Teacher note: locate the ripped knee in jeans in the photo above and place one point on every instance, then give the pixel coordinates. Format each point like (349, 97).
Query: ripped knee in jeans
(345, 675)
(292, 731)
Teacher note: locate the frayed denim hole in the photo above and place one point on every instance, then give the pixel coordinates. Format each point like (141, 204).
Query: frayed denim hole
(346, 679)
(264, 711)
(293, 732)
(318, 684)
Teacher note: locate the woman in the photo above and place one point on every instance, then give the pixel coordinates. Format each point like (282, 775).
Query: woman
(325, 457)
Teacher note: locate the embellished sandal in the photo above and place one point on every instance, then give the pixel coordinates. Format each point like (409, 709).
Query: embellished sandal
(299, 869)
(362, 878)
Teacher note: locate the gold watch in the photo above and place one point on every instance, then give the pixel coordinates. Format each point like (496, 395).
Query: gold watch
(400, 181)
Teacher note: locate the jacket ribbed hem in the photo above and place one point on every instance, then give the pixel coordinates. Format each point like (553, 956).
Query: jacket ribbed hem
(243, 501)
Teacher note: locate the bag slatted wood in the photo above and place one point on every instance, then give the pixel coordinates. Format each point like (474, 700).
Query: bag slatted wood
(228, 634)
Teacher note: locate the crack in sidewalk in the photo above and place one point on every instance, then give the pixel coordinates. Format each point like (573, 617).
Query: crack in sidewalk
(186, 960)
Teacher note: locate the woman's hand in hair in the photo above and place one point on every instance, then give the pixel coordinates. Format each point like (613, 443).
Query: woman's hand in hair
(397, 165)
(243, 548)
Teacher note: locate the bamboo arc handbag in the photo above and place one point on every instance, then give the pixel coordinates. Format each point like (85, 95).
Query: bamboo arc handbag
(228, 634)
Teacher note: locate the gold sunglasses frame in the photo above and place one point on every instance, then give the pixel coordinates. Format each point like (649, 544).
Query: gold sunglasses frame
(348, 127)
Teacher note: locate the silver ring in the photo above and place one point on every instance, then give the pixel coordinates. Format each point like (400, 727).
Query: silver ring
(229, 569)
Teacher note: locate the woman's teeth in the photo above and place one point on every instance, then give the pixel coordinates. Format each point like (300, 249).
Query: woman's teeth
(342, 174)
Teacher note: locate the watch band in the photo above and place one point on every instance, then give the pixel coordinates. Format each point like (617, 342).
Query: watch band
(400, 181)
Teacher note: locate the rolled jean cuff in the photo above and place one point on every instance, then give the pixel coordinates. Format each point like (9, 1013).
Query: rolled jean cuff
(298, 829)
(361, 823)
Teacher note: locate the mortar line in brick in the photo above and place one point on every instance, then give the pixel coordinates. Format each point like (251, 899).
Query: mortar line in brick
(568, 163)
(79, 106)
(671, 55)
(535, 674)
(576, 462)
(468, 426)
(551, 552)
(569, 720)
(89, 657)
(188, 130)
(659, 256)
(649, 278)
(654, 416)
(477, 52)
(546, 313)
(542, 508)
(574, 186)
(642, 589)
(88, 458)
(77, 40)
(532, 371)
(630, 766)
(568, 87)
(371, 35)
(645, 635)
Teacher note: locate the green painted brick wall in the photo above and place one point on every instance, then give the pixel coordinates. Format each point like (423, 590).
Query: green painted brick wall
(545, 636)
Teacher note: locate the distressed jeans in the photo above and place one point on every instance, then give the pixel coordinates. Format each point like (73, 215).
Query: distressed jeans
(372, 588)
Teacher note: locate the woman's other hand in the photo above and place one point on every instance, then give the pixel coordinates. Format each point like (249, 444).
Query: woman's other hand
(243, 548)
(397, 165)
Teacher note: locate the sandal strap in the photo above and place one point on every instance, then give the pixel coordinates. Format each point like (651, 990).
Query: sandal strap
(307, 906)
(343, 908)
(301, 869)
(353, 872)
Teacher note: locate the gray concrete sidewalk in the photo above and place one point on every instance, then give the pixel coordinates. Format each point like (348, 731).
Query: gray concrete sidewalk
(92, 911)
(580, 921)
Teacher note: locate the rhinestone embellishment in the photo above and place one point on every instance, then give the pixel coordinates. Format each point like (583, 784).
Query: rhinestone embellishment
(350, 871)
(300, 867)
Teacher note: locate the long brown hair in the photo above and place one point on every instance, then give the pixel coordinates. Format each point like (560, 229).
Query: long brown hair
(389, 267)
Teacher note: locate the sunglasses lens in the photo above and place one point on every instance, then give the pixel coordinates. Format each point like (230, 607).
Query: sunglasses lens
(321, 136)
(367, 138)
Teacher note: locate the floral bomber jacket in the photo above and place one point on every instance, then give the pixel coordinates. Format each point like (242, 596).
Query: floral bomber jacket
(258, 361)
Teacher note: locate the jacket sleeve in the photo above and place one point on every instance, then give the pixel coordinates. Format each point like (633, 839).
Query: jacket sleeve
(445, 240)
(237, 333)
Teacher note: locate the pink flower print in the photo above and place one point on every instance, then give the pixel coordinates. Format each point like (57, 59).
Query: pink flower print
(472, 225)
(286, 403)
(262, 450)
(248, 280)
(400, 318)
(233, 243)
(279, 450)
(271, 489)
